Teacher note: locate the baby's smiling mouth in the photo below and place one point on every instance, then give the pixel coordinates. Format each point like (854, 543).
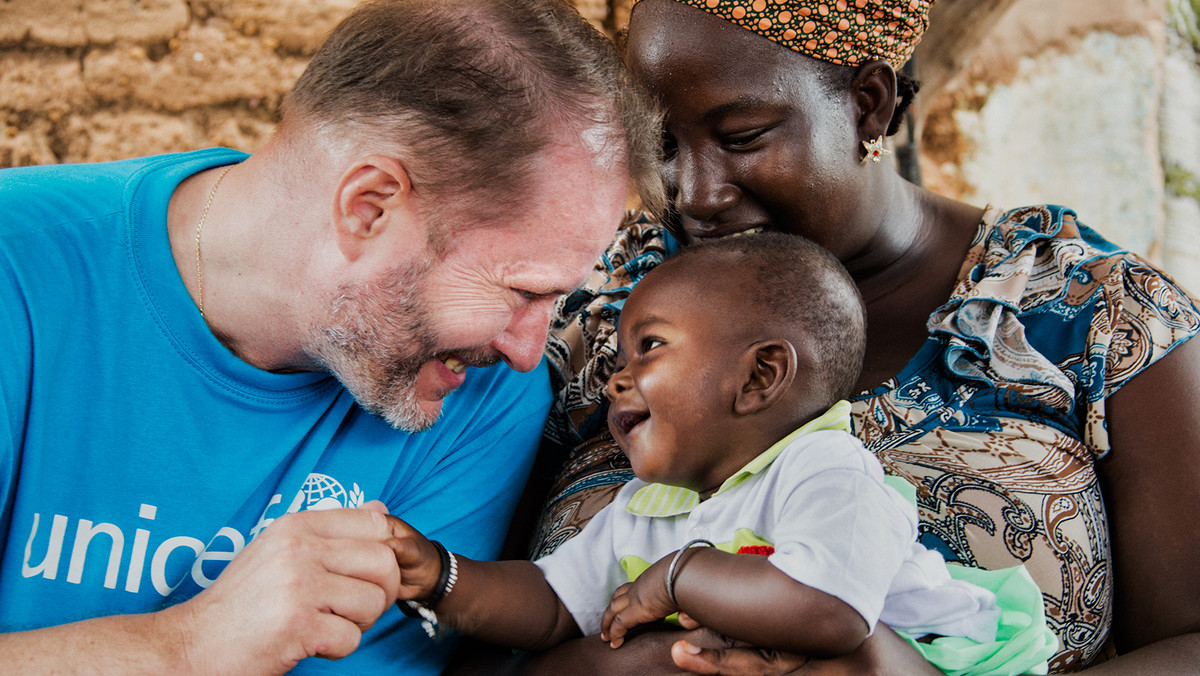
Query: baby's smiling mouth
(625, 421)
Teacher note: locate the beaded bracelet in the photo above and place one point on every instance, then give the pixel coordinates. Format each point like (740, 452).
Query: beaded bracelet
(671, 570)
(446, 579)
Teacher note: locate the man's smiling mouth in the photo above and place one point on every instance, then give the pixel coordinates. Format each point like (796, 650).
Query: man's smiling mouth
(453, 363)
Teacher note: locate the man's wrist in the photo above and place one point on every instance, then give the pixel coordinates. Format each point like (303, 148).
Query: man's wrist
(175, 632)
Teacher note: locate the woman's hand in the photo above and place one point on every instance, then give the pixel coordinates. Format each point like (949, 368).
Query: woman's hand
(884, 652)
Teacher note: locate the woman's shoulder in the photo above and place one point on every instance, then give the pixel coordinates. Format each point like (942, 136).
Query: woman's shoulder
(638, 246)
(1006, 234)
(1058, 259)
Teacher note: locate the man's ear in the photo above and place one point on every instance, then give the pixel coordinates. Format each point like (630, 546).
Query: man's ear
(874, 97)
(772, 370)
(366, 194)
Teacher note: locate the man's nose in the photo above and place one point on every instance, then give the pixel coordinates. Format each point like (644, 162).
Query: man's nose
(524, 339)
(703, 189)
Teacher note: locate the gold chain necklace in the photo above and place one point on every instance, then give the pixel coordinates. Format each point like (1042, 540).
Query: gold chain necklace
(199, 227)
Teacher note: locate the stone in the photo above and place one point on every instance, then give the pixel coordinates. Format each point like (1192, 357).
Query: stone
(43, 82)
(76, 23)
(108, 135)
(206, 65)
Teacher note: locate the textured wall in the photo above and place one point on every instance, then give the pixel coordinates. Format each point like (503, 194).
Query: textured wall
(1092, 105)
(85, 80)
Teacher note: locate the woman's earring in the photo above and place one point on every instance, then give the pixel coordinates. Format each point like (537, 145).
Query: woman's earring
(875, 150)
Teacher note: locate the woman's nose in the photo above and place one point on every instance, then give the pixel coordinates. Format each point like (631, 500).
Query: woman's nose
(703, 187)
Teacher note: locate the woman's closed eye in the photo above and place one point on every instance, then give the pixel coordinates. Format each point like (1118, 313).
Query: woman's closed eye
(670, 146)
(743, 140)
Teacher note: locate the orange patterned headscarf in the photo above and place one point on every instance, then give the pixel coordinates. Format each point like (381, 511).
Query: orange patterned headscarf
(846, 32)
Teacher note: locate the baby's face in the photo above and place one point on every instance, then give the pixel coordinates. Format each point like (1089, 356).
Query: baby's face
(672, 395)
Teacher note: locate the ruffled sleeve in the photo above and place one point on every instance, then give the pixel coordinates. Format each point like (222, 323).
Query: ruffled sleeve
(1059, 317)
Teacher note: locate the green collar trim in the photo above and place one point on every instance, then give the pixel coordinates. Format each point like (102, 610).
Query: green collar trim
(664, 500)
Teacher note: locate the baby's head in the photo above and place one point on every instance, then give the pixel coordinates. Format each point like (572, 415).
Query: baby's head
(728, 347)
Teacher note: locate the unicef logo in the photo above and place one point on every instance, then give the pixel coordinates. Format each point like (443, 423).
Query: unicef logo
(320, 491)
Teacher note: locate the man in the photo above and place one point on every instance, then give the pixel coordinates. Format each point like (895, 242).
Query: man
(443, 171)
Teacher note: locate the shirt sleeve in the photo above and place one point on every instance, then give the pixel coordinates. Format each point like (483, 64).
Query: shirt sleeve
(1143, 317)
(583, 571)
(16, 344)
(840, 529)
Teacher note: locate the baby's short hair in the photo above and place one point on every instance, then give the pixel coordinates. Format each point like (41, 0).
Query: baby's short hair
(796, 290)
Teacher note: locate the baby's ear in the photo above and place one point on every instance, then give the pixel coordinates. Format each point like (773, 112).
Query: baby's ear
(772, 369)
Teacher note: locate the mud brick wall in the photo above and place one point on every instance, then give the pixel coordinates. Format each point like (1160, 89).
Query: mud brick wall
(92, 80)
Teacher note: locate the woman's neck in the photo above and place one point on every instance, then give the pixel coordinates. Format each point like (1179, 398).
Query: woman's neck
(910, 270)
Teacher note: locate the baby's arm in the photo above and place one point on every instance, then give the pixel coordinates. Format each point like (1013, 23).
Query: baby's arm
(741, 596)
(507, 603)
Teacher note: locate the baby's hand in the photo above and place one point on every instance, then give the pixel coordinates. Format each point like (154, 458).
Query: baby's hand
(419, 562)
(638, 602)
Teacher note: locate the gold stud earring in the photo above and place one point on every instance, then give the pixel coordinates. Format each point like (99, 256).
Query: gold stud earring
(875, 150)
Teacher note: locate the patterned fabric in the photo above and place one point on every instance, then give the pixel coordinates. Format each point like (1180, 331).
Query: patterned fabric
(582, 347)
(999, 419)
(846, 32)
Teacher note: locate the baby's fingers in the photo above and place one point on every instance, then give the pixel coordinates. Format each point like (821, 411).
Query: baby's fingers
(617, 629)
(619, 602)
(687, 622)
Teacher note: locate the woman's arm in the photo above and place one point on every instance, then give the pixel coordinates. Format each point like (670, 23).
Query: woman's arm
(647, 653)
(1151, 482)
(701, 651)
(743, 597)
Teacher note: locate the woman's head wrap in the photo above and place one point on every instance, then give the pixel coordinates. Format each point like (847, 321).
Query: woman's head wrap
(846, 32)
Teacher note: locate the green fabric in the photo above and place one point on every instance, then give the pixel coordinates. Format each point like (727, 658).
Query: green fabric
(743, 537)
(1024, 642)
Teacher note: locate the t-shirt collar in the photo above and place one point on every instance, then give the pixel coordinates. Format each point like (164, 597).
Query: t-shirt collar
(664, 500)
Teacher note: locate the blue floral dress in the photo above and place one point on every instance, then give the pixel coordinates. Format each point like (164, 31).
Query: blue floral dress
(997, 421)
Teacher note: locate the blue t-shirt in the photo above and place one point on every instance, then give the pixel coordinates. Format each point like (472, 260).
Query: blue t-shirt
(138, 455)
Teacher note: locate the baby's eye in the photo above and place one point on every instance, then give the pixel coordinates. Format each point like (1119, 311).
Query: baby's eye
(648, 344)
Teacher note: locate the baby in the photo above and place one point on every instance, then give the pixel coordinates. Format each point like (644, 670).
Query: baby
(755, 512)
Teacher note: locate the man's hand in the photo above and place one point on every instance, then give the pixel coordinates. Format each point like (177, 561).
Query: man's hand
(639, 602)
(307, 586)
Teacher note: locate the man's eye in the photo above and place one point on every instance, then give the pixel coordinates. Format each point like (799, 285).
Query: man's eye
(533, 296)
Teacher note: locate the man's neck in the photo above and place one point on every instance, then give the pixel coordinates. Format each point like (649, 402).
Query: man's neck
(232, 265)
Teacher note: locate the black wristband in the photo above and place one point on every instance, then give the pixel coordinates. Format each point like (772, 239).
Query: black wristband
(439, 589)
(443, 582)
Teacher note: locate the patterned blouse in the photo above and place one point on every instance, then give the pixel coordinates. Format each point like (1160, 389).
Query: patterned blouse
(998, 420)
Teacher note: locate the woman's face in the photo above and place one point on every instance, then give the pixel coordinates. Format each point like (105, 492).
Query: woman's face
(752, 138)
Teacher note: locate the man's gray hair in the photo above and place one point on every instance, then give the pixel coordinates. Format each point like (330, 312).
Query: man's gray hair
(474, 90)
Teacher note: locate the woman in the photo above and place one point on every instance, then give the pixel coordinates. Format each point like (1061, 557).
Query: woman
(1007, 352)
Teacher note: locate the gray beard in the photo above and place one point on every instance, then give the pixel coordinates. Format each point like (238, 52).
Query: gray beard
(377, 339)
